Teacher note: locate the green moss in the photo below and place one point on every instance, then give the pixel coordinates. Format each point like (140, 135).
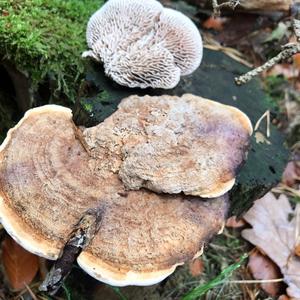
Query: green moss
(88, 107)
(274, 88)
(105, 95)
(46, 38)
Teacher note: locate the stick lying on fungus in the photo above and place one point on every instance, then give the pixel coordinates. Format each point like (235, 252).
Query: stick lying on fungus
(85, 230)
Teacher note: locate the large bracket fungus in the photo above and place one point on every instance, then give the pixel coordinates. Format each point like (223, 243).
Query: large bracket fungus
(52, 174)
(142, 44)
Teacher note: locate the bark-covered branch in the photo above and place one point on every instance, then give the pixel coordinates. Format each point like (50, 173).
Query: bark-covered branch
(81, 236)
(288, 51)
(232, 4)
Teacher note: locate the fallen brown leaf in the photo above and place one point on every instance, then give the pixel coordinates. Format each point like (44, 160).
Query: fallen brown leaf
(284, 297)
(214, 23)
(232, 222)
(289, 71)
(263, 268)
(20, 265)
(277, 236)
(291, 174)
(196, 267)
(296, 60)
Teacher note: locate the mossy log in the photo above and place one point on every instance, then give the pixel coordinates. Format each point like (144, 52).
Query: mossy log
(41, 43)
(214, 80)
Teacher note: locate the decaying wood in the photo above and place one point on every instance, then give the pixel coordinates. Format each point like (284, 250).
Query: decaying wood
(24, 95)
(268, 5)
(251, 5)
(288, 51)
(232, 4)
(82, 235)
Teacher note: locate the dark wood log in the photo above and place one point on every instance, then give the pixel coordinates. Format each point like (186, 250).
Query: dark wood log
(214, 80)
(22, 86)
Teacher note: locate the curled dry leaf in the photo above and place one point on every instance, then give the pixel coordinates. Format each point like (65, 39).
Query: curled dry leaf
(277, 235)
(263, 268)
(233, 222)
(196, 267)
(20, 265)
(214, 23)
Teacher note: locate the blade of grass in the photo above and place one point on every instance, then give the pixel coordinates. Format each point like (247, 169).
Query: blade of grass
(67, 292)
(224, 275)
(118, 292)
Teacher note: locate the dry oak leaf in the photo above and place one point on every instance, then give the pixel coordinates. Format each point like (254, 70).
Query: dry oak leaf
(277, 236)
(263, 268)
(20, 265)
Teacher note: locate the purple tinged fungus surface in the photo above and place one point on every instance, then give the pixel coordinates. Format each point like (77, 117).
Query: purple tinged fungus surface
(52, 173)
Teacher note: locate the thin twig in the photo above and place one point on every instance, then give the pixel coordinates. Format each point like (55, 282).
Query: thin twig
(33, 296)
(232, 4)
(265, 115)
(288, 51)
(256, 281)
(233, 53)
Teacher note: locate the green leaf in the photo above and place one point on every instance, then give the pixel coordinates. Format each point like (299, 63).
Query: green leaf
(278, 33)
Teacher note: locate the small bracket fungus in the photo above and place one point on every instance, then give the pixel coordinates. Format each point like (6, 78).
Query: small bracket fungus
(188, 144)
(52, 175)
(142, 44)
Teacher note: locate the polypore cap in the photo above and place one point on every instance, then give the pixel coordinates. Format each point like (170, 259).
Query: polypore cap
(181, 144)
(142, 44)
(52, 174)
